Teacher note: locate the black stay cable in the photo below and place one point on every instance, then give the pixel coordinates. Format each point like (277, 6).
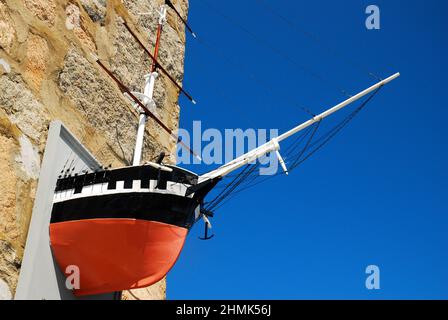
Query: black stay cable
(276, 50)
(325, 138)
(228, 186)
(295, 27)
(241, 181)
(237, 181)
(332, 133)
(248, 181)
(316, 127)
(297, 142)
(243, 69)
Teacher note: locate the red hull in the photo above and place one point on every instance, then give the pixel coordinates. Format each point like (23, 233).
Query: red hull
(116, 254)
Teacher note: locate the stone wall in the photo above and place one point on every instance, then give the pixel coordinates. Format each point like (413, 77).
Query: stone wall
(47, 73)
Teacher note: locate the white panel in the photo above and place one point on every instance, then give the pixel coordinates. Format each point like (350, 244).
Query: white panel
(40, 277)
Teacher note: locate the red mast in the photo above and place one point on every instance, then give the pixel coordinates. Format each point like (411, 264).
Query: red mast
(144, 101)
(156, 48)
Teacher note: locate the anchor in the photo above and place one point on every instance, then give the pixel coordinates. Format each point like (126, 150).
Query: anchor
(207, 225)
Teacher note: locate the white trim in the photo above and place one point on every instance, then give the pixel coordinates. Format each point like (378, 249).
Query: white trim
(99, 189)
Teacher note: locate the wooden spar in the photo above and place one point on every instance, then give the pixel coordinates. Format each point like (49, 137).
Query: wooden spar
(158, 65)
(171, 5)
(124, 89)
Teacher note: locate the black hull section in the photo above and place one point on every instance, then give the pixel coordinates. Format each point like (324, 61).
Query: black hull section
(165, 208)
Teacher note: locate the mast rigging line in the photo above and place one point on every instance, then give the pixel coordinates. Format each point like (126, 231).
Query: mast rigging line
(250, 180)
(278, 52)
(171, 5)
(293, 26)
(288, 152)
(244, 70)
(124, 89)
(244, 174)
(313, 133)
(273, 144)
(233, 103)
(158, 65)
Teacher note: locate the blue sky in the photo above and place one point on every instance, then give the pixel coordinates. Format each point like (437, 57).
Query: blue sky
(375, 195)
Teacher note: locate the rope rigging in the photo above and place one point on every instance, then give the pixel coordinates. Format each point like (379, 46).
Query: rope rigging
(248, 177)
(304, 146)
(244, 70)
(295, 27)
(276, 50)
(240, 178)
